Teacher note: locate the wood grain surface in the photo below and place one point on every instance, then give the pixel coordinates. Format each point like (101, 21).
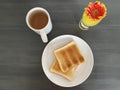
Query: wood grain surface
(21, 49)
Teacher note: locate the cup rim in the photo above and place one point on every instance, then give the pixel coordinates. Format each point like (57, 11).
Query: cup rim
(33, 10)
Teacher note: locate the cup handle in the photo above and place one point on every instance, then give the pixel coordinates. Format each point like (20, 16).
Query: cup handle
(43, 36)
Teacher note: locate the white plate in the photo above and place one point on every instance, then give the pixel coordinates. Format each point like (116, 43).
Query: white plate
(82, 72)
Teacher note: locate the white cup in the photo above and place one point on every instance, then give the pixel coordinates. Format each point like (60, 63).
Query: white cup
(45, 30)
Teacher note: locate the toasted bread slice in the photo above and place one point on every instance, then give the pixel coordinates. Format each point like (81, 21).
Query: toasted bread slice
(56, 69)
(68, 56)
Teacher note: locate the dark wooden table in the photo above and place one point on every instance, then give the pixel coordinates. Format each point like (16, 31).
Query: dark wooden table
(21, 49)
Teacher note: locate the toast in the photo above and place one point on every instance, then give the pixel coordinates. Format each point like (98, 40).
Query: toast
(55, 68)
(68, 56)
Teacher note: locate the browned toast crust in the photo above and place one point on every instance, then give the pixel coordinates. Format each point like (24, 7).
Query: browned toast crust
(56, 69)
(68, 56)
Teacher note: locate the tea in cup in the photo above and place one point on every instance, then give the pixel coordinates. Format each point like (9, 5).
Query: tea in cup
(38, 20)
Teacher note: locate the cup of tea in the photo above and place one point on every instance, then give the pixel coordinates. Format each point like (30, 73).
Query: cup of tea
(38, 20)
